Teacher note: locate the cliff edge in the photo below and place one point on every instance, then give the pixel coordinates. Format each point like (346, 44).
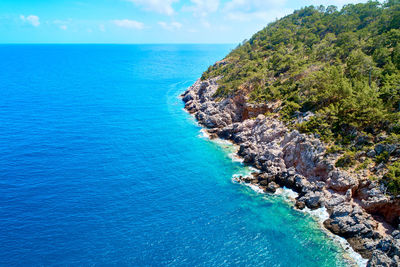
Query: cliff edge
(358, 208)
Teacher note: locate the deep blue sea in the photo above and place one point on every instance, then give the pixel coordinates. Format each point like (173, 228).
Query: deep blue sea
(100, 165)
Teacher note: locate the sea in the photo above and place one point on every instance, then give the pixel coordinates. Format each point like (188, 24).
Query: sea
(101, 166)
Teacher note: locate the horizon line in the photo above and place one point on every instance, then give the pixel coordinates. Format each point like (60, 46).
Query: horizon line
(118, 43)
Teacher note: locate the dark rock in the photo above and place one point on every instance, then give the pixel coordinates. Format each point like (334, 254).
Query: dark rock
(371, 153)
(312, 200)
(272, 186)
(391, 148)
(320, 185)
(332, 226)
(242, 150)
(187, 97)
(380, 166)
(248, 179)
(301, 184)
(300, 205)
(285, 179)
(267, 177)
(379, 148)
(362, 246)
(396, 234)
(225, 133)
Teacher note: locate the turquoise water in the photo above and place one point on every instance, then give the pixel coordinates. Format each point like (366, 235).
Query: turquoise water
(100, 165)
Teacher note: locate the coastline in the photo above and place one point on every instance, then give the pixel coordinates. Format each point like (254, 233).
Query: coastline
(288, 195)
(296, 165)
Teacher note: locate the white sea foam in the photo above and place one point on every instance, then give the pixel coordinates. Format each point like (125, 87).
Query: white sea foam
(287, 194)
(353, 256)
(254, 187)
(320, 214)
(204, 134)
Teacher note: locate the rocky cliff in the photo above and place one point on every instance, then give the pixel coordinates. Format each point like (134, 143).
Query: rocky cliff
(359, 210)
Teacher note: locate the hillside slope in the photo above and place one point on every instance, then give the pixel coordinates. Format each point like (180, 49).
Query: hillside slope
(332, 73)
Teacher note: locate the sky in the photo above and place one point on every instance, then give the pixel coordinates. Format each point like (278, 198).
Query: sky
(142, 21)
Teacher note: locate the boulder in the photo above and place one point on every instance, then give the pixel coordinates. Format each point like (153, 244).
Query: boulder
(371, 153)
(379, 148)
(341, 181)
(188, 97)
(312, 200)
(300, 204)
(272, 186)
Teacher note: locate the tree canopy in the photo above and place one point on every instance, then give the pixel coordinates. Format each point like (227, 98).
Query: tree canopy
(342, 65)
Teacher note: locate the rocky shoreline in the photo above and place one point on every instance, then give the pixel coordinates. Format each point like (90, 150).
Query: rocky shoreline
(359, 210)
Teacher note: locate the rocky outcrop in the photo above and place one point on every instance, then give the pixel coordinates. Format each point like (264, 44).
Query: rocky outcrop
(253, 110)
(387, 252)
(376, 202)
(288, 158)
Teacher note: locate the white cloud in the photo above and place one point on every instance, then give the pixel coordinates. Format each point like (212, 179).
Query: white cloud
(102, 28)
(170, 26)
(159, 6)
(130, 24)
(31, 19)
(261, 10)
(206, 24)
(202, 8)
(62, 24)
(253, 5)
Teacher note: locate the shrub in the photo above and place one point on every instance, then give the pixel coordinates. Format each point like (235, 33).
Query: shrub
(393, 178)
(383, 157)
(364, 165)
(347, 160)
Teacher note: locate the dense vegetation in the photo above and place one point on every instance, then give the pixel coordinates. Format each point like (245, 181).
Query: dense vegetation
(342, 65)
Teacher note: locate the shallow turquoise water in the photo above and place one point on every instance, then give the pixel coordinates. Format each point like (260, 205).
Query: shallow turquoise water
(101, 165)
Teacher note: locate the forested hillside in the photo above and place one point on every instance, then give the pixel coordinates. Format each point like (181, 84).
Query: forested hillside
(341, 65)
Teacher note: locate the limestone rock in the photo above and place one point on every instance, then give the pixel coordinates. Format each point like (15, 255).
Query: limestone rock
(341, 181)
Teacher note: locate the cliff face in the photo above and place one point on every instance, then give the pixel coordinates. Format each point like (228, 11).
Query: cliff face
(359, 210)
